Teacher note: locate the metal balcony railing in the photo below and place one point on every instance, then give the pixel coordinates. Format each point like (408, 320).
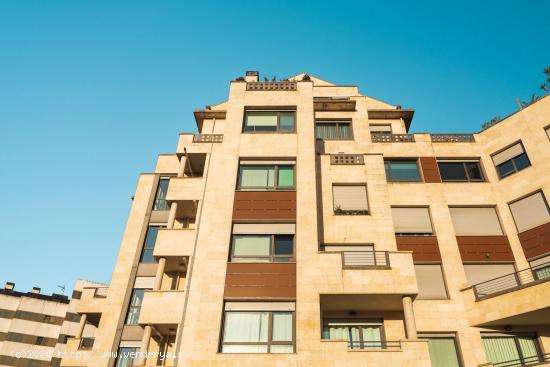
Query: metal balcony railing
(365, 259)
(452, 138)
(86, 343)
(374, 345)
(526, 361)
(391, 138)
(513, 281)
(208, 138)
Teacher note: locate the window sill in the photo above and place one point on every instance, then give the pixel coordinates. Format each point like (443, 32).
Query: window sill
(351, 212)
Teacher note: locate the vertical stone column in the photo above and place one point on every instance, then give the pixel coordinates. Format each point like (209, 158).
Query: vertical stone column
(160, 273)
(140, 360)
(410, 324)
(183, 163)
(81, 325)
(172, 215)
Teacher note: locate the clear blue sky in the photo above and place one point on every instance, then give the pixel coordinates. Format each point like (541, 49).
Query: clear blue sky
(92, 91)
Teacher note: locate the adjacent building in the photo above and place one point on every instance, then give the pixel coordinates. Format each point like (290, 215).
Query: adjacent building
(303, 225)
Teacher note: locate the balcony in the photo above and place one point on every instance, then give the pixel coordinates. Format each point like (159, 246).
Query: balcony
(541, 360)
(185, 189)
(174, 242)
(260, 280)
(452, 138)
(271, 86)
(392, 138)
(269, 205)
(162, 307)
(208, 138)
(333, 104)
(93, 300)
(365, 260)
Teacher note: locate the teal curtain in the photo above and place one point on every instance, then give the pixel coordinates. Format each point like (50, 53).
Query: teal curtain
(286, 176)
(500, 349)
(443, 352)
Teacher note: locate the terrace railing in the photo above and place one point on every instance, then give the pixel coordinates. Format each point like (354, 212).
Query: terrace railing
(391, 138)
(452, 138)
(365, 259)
(208, 138)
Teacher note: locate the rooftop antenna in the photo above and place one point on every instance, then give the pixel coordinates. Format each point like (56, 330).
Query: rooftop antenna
(62, 287)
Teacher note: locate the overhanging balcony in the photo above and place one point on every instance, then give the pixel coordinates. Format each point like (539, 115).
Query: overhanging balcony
(162, 307)
(93, 300)
(174, 242)
(185, 189)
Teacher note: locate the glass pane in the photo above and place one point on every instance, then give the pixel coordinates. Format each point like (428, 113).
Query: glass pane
(354, 340)
(133, 315)
(371, 337)
(474, 171)
(345, 131)
(286, 121)
(261, 121)
(286, 176)
(443, 352)
(147, 256)
(452, 171)
(326, 131)
(528, 347)
(500, 349)
(542, 273)
(250, 327)
(160, 199)
(284, 245)
(404, 171)
(506, 168)
(123, 356)
(149, 246)
(282, 349)
(244, 349)
(249, 245)
(521, 161)
(334, 332)
(257, 176)
(282, 326)
(137, 297)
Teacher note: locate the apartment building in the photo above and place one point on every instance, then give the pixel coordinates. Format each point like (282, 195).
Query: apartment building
(35, 327)
(303, 225)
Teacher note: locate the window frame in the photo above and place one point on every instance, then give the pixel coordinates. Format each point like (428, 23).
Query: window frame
(132, 307)
(272, 256)
(512, 160)
(338, 122)
(463, 162)
(525, 197)
(443, 277)
(132, 361)
(419, 234)
(277, 111)
(144, 247)
(270, 342)
(336, 211)
(446, 335)
(415, 160)
(276, 186)
(157, 200)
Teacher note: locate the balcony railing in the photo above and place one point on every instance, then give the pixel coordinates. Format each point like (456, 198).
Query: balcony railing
(526, 361)
(271, 86)
(452, 138)
(513, 281)
(391, 138)
(347, 159)
(86, 343)
(374, 345)
(207, 138)
(365, 259)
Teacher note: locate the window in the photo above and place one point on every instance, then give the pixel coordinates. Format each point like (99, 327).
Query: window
(262, 248)
(510, 160)
(520, 349)
(530, 212)
(333, 130)
(430, 281)
(443, 351)
(402, 170)
(412, 221)
(473, 221)
(266, 177)
(135, 306)
(350, 199)
(269, 121)
(160, 198)
(479, 273)
(126, 356)
(458, 171)
(258, 327)
(379, 128)
(359, 333)
(149, 245)
(541, 267)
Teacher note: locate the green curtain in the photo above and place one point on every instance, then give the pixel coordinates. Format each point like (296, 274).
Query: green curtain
(542, 273)
(345, 131)
(261, 118)
(286, 121)
(286, 176)
(257, 176)
(443, 352)
(249, 245)
(528, 347)
(326, 131)
(371, 337)
(500, 349)
(282, 326)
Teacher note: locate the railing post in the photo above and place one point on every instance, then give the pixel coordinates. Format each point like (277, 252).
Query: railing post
(387, 254)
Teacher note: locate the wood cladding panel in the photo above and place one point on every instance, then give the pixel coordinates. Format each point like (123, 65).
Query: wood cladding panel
(430, 171)
(535, 241)
(424, 248)
(484, 248)
(260, 281)
(265, 205)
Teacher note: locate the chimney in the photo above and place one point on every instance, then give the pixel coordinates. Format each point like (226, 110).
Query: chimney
(35, 290)
(252, 76)
(9, 286)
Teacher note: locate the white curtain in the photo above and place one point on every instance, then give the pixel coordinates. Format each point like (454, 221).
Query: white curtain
(246, 327)
(282, 326)
(371, 337)
(257, 176)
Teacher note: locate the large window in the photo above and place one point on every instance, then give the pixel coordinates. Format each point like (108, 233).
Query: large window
(530, 212)
(479, 273)
(511, 350)
(160, 198)
(475, 221)
(134, 309)
(510, 160)
(412, 221)
(267, 329)
(266, 177)
(333, 130)
(443, 351)
(149, 245)
(350, 199)
(262, 248)
(270, 121)
(430, 281)
(402, 170)
(126, 356)
(360, 334)
(460, 171)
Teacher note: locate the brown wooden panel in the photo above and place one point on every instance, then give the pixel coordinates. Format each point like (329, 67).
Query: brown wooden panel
(424, 248)
(484, 248)
(265, 205)
(535, 241)
(260, 280)
(430, 171)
